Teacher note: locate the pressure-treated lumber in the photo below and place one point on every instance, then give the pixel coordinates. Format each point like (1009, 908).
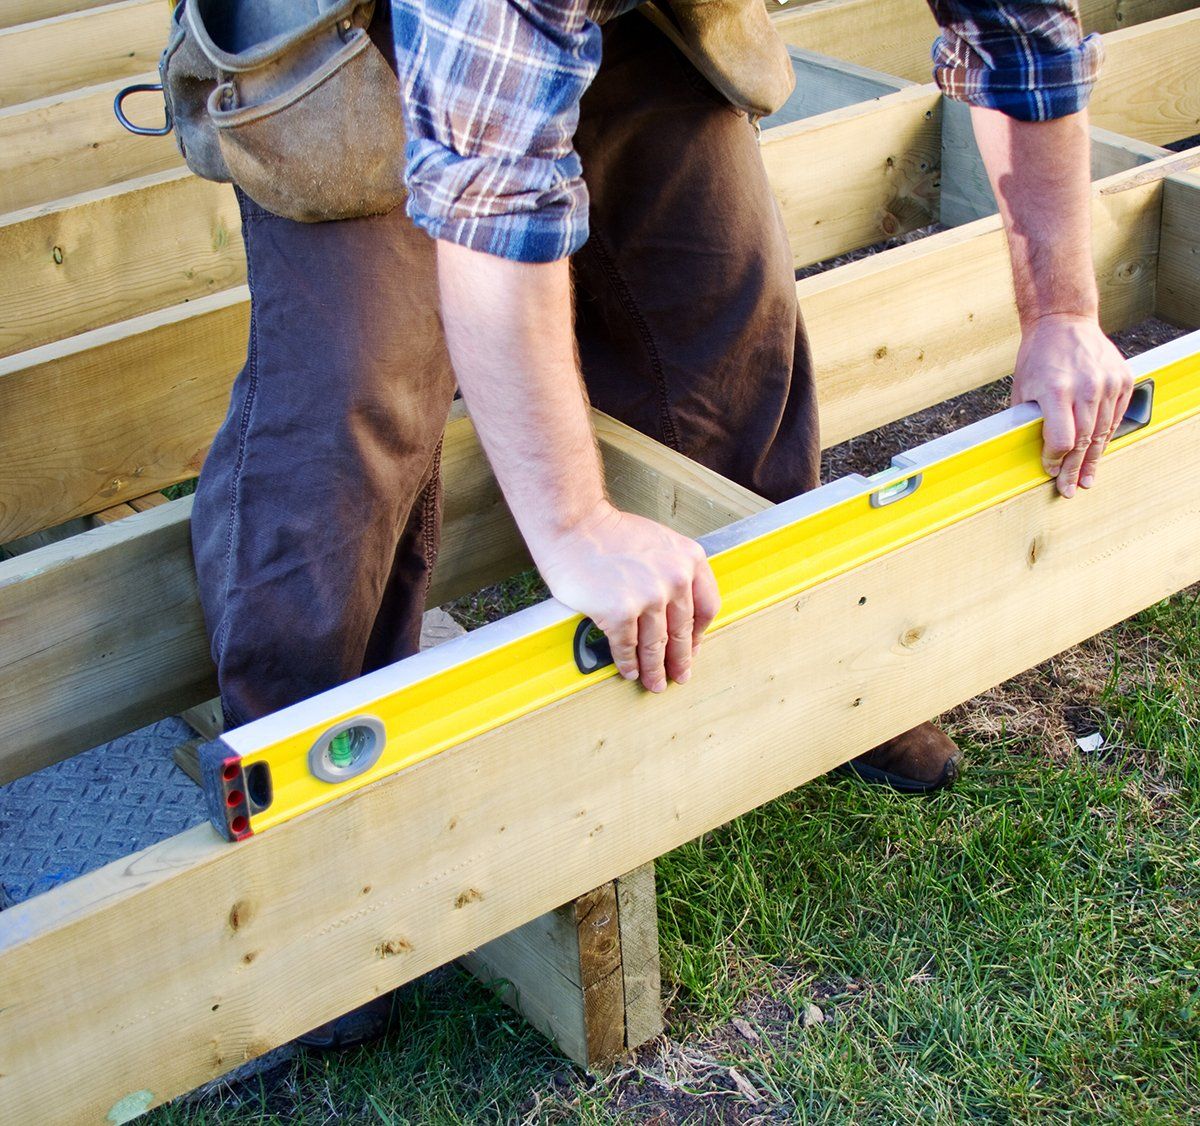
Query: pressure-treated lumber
(876, 361)
(843, 180)
(824, 84)
(966, 193)
(134, 406)
(894, 36)
(1179, 258)
(85, 657)
(80, 49)
(137, 403)
(856, 176)
(224, 951)
(104, 256)
(82, 660)
(1113, 153)
(117, 512)
(1150, 85)
(640, 963)
(586, 974)
(16, 12)
(72, 143)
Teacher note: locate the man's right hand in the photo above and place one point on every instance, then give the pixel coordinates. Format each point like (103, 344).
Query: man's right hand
(648, 588)
(509, 328)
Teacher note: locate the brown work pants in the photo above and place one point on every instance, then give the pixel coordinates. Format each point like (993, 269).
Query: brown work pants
(316, 518)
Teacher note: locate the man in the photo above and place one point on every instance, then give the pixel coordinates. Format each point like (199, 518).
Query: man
(316, 519)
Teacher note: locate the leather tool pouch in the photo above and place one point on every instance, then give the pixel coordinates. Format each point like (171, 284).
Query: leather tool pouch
(290, 100)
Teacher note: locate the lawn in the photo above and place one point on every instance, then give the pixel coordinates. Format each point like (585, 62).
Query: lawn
(1021, 948)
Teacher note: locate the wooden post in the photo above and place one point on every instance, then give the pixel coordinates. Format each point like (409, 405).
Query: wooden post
(587, 974)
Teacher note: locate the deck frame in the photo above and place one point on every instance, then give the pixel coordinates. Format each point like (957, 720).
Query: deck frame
(124, 291)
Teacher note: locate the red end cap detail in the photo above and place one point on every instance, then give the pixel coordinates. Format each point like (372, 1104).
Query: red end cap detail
(231, 768)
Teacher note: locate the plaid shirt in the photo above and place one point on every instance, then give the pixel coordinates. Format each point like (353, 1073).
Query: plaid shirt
(491, 100)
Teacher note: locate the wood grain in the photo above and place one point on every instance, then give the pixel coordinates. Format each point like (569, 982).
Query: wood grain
(109, 255)
(16, 12)
(134, 408)
(81, 49)
(877, 360)
(83, 662)
(855, 176)
(1179, 259)
(1150, 85)
(71, 143)
(224, 951)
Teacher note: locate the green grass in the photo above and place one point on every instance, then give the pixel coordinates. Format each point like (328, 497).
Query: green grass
(1024, 948)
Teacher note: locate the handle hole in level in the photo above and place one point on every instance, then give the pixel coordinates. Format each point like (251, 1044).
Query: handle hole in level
(258, 786)
(1139, 411)
(592, 650)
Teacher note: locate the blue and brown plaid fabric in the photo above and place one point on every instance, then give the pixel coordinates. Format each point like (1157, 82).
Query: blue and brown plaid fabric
(492, 87)
(1030, 61)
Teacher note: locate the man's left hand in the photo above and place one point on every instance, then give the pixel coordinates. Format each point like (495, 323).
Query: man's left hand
(1081, 382)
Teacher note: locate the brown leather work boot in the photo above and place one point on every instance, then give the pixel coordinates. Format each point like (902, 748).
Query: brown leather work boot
(732, 43)
(918, 762)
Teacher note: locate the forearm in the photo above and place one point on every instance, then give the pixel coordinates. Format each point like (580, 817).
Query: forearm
(511, 337)
(1040, 173)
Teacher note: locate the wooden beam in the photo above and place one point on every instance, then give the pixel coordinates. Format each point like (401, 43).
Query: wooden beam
(855, 176)
(844, 180)
(824, 84)
(586, 975)
(1149, 87)
(72, 143)
(879, 358)
(108, 255)
(80, 49)
(137, 403)
(117, 512)
(1113, 153)
(224, 951)
(103, 633)
(17, 12)
(891, 36)
(894, 36)
(967, 195)
(85, 660)
(640, 963)
(208, 721)
(1179, 258)
(135, 407)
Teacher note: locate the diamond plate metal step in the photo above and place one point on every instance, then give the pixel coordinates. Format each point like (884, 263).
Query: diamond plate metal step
(94, 808)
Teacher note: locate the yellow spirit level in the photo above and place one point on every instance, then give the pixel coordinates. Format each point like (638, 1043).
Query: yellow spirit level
(325, 747)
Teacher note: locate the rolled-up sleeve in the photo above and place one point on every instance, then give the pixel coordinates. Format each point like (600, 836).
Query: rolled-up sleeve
(491, 93)
(1030, 61)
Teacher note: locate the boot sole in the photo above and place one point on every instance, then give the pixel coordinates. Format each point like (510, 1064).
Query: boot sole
(900, 782)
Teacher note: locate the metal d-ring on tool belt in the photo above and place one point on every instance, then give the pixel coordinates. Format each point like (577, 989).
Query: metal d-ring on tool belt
(289, 99)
